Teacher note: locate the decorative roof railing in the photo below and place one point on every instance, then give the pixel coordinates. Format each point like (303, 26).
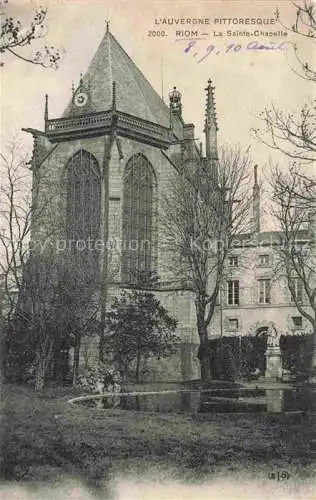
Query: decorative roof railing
(105, 121)
(143, 126)
(74, 123)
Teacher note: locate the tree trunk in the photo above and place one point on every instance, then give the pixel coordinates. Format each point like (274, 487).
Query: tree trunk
(204, 355)
(40, 375)
(101, 344)
(75, 372)
(138, 360)
(312, 371)
(205, 362)
(44, 357)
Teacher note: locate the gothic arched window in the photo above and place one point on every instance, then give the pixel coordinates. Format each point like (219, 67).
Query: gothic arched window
(138, 218)
(83, 199)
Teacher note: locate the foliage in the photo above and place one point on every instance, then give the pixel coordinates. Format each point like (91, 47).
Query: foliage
(14, 37)
(245, 356)
(225, 363)
(56, 307)
(139, 327)
(99, 378)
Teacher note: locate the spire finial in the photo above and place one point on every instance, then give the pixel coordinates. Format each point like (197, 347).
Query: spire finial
(46, 108)
(107, 23)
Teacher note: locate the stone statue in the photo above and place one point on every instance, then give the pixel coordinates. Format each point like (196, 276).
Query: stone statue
(273, 337)
(273, 355)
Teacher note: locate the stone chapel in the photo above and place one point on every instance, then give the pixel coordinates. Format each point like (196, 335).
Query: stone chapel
(104, 167)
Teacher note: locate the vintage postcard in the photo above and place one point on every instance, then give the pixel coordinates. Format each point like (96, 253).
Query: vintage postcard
(157, 249)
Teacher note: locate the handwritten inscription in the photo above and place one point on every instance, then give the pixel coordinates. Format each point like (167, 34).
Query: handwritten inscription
(234, 47)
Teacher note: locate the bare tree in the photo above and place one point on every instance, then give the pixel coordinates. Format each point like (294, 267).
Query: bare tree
(79, 302)
(58, 304)
(33, 295)
(15, 37)
(296, 215)
(205, 211)
(20, 214)
(38, 305)
(15, 223)
(295, 184)
(294, 134)
(304, 25)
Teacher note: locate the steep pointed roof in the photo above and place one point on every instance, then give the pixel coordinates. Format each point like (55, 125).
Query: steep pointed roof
(134, 94)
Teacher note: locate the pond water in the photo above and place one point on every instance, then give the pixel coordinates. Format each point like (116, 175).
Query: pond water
(210, 401)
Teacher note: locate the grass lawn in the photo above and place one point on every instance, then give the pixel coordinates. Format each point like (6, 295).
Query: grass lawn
(46, 439)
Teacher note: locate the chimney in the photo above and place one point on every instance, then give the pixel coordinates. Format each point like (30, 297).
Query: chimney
(256, 202)
(188, 141)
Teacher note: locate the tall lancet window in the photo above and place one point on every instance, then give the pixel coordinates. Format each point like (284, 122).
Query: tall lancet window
(83, 203)
(138, 218)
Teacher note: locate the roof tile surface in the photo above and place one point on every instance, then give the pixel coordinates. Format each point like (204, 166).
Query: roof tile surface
(134, 94)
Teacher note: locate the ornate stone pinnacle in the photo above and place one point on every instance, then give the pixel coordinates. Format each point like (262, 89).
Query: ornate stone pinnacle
(210, 113)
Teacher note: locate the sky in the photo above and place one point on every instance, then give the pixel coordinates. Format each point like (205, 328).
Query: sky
(246, 81)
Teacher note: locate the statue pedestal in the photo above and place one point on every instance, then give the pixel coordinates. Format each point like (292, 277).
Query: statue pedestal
(274, 363)
(274, 400)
